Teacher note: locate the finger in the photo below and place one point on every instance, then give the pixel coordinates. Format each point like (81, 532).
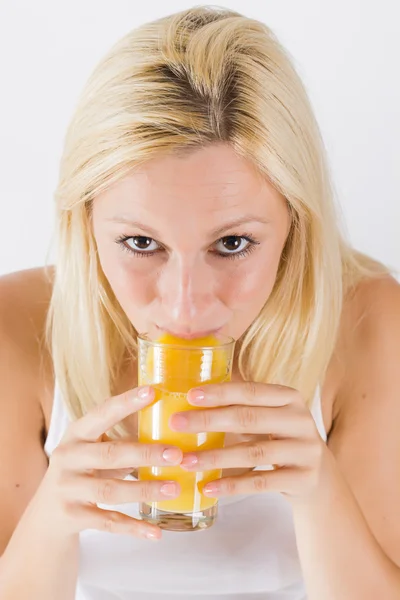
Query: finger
(287, 421)
(107, 414)
(285, 452)
(248, 392)
(115, 491)
(119, 454)
(287, 480)
(114, 522)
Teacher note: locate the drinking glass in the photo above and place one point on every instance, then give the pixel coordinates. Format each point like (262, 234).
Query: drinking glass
(172, 370)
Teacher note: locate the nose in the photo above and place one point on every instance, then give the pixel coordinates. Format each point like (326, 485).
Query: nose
(187, 291)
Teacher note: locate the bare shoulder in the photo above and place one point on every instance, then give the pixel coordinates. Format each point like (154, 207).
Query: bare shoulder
(370, 313)
(24, 301)
(370, 335)
(365, 434)
(25, 295)
(25, 384)
(370, 319)
(373, 302)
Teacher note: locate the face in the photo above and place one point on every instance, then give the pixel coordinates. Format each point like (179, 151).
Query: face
(191, 245)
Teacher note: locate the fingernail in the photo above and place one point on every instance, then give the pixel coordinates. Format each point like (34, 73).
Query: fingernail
(179, 422)
(169, 489)
(144, 393)
(172, 455)
(152, 535)
(211, 489)
(196, 396)
(189, 460)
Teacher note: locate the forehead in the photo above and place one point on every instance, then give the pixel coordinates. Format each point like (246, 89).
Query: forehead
(210, 183)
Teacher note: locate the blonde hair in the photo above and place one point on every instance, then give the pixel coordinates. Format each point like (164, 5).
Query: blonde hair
(201, 76)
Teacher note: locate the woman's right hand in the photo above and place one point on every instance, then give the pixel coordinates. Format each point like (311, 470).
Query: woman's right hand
(78, 475)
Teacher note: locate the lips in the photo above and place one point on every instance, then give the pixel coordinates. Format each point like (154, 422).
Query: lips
(185, 335)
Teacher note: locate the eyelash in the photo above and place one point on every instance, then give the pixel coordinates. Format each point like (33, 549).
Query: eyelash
(250, 248)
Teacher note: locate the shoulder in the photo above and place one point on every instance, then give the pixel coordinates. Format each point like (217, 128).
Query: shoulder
(368, 348)
(370, 318)
(368, 304)
(24, 301)
(25, 378)
(25, 294)
(365, 434)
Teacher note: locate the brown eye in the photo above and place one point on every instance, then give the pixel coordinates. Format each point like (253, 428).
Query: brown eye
(232, 244)
(141, 243)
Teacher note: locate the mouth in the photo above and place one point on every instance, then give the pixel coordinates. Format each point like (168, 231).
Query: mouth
(185, 335)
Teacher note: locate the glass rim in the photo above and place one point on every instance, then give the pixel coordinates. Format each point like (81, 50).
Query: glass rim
(227, 343)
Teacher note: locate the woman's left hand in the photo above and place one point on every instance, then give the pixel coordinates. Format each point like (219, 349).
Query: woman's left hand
(283, 433)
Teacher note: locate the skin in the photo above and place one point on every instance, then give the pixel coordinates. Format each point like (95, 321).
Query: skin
(182, 203)
(345, 490)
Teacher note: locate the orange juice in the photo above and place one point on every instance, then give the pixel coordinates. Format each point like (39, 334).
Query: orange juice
(173, 366)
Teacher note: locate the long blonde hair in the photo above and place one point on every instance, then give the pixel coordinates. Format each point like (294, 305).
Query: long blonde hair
(197, 77)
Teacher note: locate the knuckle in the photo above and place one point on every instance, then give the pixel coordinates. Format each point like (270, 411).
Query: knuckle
(105, 491)
(58, 463)
(68, 509)
(109, 451)
(212, 458)
(205, 418)
(250, 389)
(260, 483)
(146, 491)
(124, 398)
(256, 453)
(58, 455)
(110, 521)
(246, 416)
(64, 489)
(69, 516)
(230, 486)
(147, 455)
(63, 484)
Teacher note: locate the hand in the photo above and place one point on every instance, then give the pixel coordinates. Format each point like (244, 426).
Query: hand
(80, 469)
(285, 436)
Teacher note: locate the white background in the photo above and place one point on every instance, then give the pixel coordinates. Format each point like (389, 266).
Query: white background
(347, 52)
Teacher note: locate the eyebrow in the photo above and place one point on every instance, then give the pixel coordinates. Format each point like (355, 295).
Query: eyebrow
(215, 233)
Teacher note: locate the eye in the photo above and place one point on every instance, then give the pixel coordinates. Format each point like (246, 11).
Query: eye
(230, 246)
(141, 244)
(233, 244)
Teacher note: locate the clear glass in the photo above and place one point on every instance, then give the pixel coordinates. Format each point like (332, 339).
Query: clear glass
(172, 370)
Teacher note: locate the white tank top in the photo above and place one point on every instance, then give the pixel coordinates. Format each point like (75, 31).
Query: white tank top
(249, 554)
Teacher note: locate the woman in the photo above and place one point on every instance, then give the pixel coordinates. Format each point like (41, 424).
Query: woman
(193, 198)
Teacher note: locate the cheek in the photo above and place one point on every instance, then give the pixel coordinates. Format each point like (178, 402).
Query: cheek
(251, 283)
(248, 289)
(133, 287)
